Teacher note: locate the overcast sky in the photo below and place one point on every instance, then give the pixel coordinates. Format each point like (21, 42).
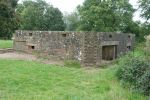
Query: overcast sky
(70, 5)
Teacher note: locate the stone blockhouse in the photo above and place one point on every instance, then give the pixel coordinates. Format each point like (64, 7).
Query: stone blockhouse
(90, 48)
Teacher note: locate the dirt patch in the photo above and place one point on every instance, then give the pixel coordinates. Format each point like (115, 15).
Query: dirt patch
(6, 50)
(29, 57)
(18, 56)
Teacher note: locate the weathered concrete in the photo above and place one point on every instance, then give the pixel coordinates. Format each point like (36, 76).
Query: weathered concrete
(147, 42)
(90, 48)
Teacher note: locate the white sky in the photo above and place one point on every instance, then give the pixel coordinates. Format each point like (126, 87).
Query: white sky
(70, 5)
(137, 13)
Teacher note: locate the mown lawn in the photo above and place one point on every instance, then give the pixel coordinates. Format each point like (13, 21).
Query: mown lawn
(23, 80)
(6, 44)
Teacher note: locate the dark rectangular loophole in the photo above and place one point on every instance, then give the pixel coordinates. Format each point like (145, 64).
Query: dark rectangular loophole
(31, 47)
(129, 47)
(30, 34)
(64, 35)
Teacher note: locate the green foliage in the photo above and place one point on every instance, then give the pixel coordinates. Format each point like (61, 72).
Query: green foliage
(6, 44)
(8, 18)
(72, 21)
(135, 71)
(145, 6)
(25, 80)
(110, 16)
(39, 15)
(105, 15)
(143, 83)
(143, 29)
(132, 69)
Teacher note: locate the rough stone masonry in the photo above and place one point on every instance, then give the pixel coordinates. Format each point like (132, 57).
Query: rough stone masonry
(89, 48)
(147, 42)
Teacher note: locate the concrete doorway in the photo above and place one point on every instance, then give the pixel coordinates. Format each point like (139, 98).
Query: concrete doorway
(109, 52)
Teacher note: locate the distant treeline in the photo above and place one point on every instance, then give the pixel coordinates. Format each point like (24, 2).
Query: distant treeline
(93, 15)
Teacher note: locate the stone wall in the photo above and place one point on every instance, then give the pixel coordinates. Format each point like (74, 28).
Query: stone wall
(90, 49)
(95, 42)
(87, 47)
(65, 45)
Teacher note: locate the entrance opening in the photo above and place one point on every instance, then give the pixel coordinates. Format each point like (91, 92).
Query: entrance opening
(64, 35)
(31, 47)
(129, 36)
(109, 52)
(30, 34)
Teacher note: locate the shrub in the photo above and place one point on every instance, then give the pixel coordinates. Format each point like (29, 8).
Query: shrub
(143, 83)
(135, 71)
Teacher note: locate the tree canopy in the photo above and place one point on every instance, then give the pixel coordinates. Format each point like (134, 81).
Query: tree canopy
(72, 21)
(39, 15)
(8, 18)
(93, 15)
(106, 15)
(145, 6)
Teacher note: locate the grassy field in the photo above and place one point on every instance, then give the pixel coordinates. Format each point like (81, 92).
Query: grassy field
(6, 44)
(23, 80)
(26, 80)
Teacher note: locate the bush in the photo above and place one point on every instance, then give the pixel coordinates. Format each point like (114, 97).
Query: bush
(135, 71)
(143, 83)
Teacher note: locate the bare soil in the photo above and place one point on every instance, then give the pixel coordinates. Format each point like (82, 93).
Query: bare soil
(29, 57)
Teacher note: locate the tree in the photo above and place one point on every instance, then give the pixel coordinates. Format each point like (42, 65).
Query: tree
(8, 18)
(145, 6)
(38, 15)
(72, 21)
(53, 19)
(105, 15)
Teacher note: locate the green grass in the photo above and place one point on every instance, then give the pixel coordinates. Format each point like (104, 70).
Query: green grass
(24, 80)
(6, 44)
(72, 63)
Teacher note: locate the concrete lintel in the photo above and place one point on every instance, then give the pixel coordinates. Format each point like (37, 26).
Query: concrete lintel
(31, 44)
(106, 43)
